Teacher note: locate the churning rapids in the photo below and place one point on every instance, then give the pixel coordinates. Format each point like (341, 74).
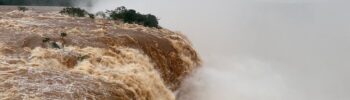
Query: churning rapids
(99, 59)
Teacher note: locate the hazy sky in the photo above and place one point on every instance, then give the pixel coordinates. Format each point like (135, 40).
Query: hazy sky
(260, 49)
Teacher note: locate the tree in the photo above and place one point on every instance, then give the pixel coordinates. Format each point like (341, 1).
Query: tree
(151, 21)
(131, 16)
(75, 12)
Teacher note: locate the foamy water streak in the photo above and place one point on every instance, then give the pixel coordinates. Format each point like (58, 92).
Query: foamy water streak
(45, 76)
(100, 59)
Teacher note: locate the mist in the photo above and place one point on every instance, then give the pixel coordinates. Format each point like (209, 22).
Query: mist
(259, 49)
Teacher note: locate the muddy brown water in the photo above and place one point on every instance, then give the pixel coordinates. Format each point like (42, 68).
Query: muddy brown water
(162, 57)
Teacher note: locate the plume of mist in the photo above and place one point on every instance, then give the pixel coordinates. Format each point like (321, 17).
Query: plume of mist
(260, 49)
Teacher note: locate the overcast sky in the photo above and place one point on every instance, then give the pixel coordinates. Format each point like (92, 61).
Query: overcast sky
(261, 49)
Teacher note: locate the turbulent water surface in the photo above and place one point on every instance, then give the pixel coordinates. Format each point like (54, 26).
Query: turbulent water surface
(98, 59)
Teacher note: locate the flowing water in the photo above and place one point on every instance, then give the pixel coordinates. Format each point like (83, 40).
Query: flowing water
(260, 49)
(251, 50)
(98, 59)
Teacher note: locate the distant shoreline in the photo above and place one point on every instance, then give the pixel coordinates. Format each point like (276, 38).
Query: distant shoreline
(41, 8)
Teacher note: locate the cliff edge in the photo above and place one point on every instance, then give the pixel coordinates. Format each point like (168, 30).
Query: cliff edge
(97, 59)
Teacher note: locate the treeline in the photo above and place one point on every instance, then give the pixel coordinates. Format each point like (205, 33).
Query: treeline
(132, 16)
(121, 13)
(45, 2)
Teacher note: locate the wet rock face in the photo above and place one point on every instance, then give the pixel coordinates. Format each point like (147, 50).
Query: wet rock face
(98, 59)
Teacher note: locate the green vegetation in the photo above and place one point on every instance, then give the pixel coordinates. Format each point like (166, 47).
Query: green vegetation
(120, 13)
(23, 9)
(74, 12)
(131, 16)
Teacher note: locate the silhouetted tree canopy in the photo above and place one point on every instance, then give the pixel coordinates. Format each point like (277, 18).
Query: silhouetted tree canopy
(75, 12)
(131, 16)
(120, 13)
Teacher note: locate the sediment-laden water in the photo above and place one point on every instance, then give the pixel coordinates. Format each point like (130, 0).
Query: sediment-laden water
(99, 59)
